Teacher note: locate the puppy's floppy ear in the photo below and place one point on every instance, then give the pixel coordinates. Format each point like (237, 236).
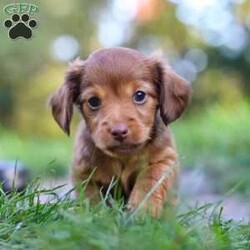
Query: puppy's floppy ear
(63, 99)
(174, 92)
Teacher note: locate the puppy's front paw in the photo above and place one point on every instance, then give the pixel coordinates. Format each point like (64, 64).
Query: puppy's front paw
(141, 204)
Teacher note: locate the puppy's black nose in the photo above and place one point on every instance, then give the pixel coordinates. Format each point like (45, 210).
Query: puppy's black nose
(120, 132)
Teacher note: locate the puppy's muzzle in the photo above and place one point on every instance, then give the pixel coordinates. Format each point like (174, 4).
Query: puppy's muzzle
(119, 132)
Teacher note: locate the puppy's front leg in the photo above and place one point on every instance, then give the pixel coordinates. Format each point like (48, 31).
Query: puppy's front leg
(84, 185)
(155, 185)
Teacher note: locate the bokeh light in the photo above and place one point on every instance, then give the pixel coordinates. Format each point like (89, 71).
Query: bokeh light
(64, 48)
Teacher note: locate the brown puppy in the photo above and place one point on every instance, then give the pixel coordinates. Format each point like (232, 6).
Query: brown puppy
(127, 101)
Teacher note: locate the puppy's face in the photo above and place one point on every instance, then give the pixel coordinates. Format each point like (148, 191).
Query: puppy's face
(119, 92)
(120, 117)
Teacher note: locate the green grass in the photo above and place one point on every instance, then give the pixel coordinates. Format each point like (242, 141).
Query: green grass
(218, 132)
(43, 156)
(216, 140)
(26, 223)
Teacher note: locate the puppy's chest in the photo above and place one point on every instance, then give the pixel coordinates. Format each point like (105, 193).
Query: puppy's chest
(125, 171)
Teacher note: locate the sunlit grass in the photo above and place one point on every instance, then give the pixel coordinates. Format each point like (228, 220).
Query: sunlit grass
(216, 140)
(217, 131)
(40, 155)
(27, 223)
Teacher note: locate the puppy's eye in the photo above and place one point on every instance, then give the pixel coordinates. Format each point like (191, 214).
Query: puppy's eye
(94, 102)
(139, 97)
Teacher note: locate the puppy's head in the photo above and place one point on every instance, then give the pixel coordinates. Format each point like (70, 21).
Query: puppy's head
(119, 92)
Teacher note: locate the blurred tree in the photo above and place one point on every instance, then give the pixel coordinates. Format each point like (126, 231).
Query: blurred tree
(160, 29)
(23, 60)
(177, 29)
(31, 70)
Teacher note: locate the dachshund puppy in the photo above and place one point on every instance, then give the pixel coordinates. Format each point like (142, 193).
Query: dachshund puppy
(127, 101)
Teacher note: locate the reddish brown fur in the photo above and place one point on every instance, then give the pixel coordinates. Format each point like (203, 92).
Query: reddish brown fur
(114, 75)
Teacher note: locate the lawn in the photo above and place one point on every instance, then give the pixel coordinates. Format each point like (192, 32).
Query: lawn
(42, 156)
(27, 223)
(216, 141)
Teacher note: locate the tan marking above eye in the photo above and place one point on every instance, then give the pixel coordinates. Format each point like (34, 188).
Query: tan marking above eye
(148, 88)
(131, 119)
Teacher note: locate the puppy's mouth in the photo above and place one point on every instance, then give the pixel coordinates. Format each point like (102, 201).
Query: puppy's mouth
(124, 148)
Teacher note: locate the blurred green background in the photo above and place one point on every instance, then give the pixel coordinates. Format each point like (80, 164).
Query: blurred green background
(206, 41)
